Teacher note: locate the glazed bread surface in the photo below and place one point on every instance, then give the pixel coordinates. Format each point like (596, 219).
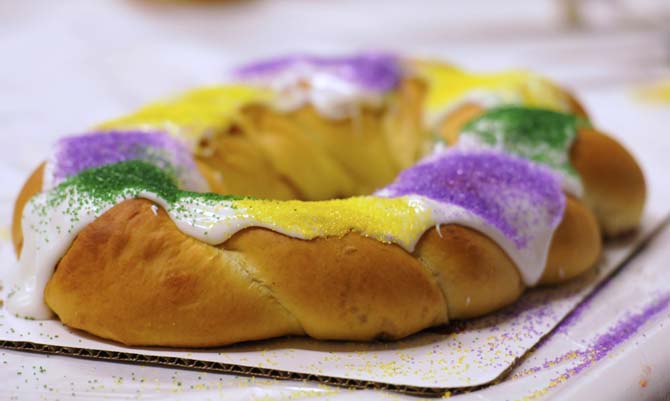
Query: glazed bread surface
(139, 275)
(133, 277)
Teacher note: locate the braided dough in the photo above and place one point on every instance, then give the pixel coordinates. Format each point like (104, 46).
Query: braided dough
(133, 275)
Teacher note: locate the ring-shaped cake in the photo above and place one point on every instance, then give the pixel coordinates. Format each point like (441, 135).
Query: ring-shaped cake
(345, 215)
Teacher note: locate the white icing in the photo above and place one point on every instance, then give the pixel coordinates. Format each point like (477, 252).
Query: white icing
(331, 96)
(530, 259)
(48, 179)
(47, 236)
(217, 222)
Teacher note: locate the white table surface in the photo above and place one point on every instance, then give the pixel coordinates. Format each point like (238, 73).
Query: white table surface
(67, 65)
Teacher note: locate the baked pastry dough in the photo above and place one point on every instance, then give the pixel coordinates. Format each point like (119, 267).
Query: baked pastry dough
(382, 235)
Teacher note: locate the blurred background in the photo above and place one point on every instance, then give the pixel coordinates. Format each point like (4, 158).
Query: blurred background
(67, 65)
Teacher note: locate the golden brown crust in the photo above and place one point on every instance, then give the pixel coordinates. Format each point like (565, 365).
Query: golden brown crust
(475, 274)
(403, 123)
(352, 287)
(290, 153)
(576, 245)
(32, 186)
(132, 276)
(451, 127)
(575, 106)
(232, 152)
(614, 186)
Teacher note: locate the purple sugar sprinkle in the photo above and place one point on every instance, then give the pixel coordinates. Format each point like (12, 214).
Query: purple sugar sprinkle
(616, 335)
(626, 327)
(509, 193)
(603, 344)
(77, 153)
(373, 71)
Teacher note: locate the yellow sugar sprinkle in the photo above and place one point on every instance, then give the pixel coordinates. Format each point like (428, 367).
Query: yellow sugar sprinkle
(398, 220)
(194, 114)
(449, 84)
(658, 92)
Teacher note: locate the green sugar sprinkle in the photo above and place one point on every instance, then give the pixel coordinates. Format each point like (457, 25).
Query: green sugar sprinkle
(108, 182)
(540, 135)
(92, 191)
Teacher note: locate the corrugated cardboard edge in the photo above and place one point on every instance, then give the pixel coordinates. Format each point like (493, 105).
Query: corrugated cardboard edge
(354, 384)
(217, 367)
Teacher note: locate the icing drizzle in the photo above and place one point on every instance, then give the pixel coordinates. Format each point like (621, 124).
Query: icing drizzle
(512, 201)
(335, 86)
(520, 203)
(378, 72)
(509, 193)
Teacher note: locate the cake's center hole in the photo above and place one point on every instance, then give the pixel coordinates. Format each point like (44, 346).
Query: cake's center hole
(282, 157)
